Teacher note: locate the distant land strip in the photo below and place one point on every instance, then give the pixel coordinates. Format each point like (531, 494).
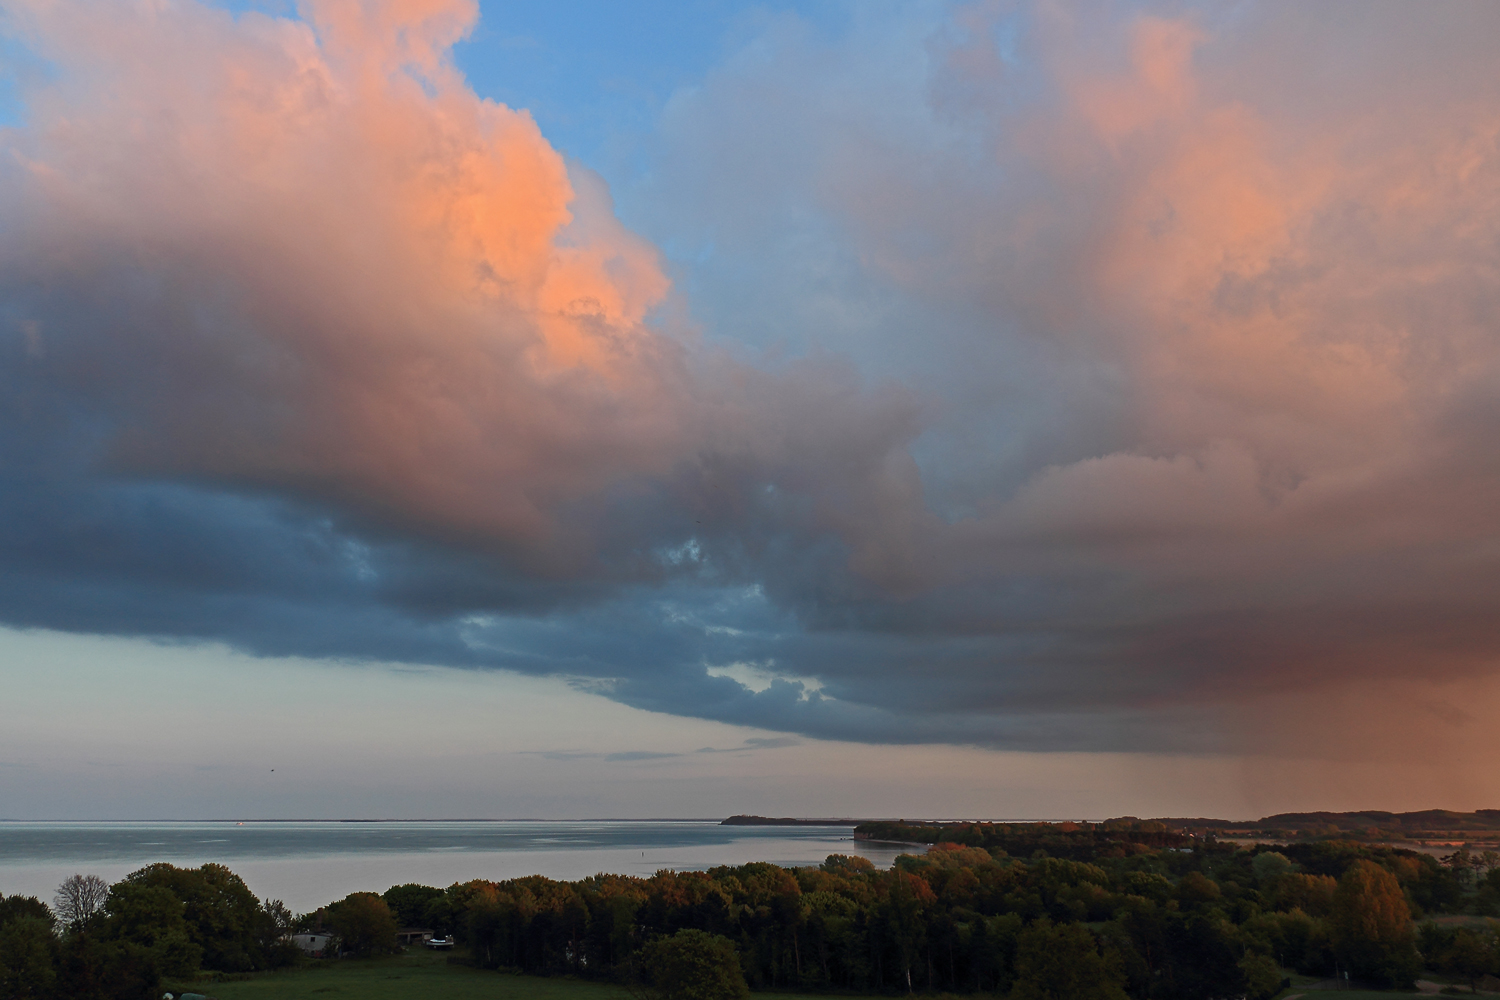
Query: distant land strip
(785, 821)
(1439, 825)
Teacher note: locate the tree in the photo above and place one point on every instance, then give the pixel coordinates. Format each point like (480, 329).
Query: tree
(1371, 924)
(80, 899)
(28, 958)
(274, 935)
(692, 965)
(1197, 888)
(1203, 953)
(411, 903)
(1262, 976)
(90, 969)
(1269, 866)
(1312, 894)
(222, 915)
(279, 919)
(1063, 962)
(1463, 866)
(364, 924)
(149, 920)
(16, 907)
(1468, 956)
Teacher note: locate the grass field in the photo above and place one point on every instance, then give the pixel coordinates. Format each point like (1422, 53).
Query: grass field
(416, 975)
(420, 975)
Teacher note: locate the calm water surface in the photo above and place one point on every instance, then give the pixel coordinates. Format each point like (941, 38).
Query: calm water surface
(308, 864)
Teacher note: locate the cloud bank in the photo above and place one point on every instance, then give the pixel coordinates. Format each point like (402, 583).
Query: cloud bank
(1063, 376)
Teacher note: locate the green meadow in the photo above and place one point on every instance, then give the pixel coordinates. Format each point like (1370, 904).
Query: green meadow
(414, 975)
(418, 975)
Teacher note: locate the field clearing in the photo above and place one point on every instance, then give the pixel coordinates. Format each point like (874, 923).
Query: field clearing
(416, 975)
(412, 976)
(420, 975)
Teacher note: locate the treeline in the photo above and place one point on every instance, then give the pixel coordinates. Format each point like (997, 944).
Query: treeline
(1429, 824)
(1076, 841)
(1214, 920)
(117, 942)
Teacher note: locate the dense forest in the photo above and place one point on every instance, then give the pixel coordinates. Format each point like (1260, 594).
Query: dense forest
(1033, 911)
(1427, 824)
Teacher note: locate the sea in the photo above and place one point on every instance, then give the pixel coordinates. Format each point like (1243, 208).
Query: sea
(311, 863)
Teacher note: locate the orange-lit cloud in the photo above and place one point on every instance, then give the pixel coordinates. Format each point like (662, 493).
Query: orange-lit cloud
(1185, 327)
(1206, 306)
(434, 317)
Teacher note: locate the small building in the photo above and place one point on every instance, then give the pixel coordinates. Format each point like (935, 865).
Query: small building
(314, 942)
(413, 935)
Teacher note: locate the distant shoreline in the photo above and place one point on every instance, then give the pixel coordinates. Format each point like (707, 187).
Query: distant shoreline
(787, 821)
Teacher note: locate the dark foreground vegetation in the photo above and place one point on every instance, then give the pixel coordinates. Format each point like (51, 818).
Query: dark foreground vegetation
(1082, 916)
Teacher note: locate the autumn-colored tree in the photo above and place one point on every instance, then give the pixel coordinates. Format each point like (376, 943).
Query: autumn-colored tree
(1312, 894)
(1371, 923)
(958, 856)
(1196, 889)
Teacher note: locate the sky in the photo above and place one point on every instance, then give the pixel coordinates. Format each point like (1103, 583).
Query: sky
(994, 409)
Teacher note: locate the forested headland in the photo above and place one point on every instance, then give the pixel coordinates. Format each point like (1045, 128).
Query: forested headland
(1029, 911)
(1439, 825)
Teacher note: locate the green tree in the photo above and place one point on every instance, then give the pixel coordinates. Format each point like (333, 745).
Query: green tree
(147, 921)
(692, 965)
(15, 907)
(221, 915)
(1262, 976)
(411, 903)
(91, 969)
(1371, 924)
(364, 924)
(1468, 956)
(1269, 866)
(1197, 889)
(1063, 962)
(28, 958)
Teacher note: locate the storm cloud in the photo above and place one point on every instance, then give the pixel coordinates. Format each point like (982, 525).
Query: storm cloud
(1061, 376)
